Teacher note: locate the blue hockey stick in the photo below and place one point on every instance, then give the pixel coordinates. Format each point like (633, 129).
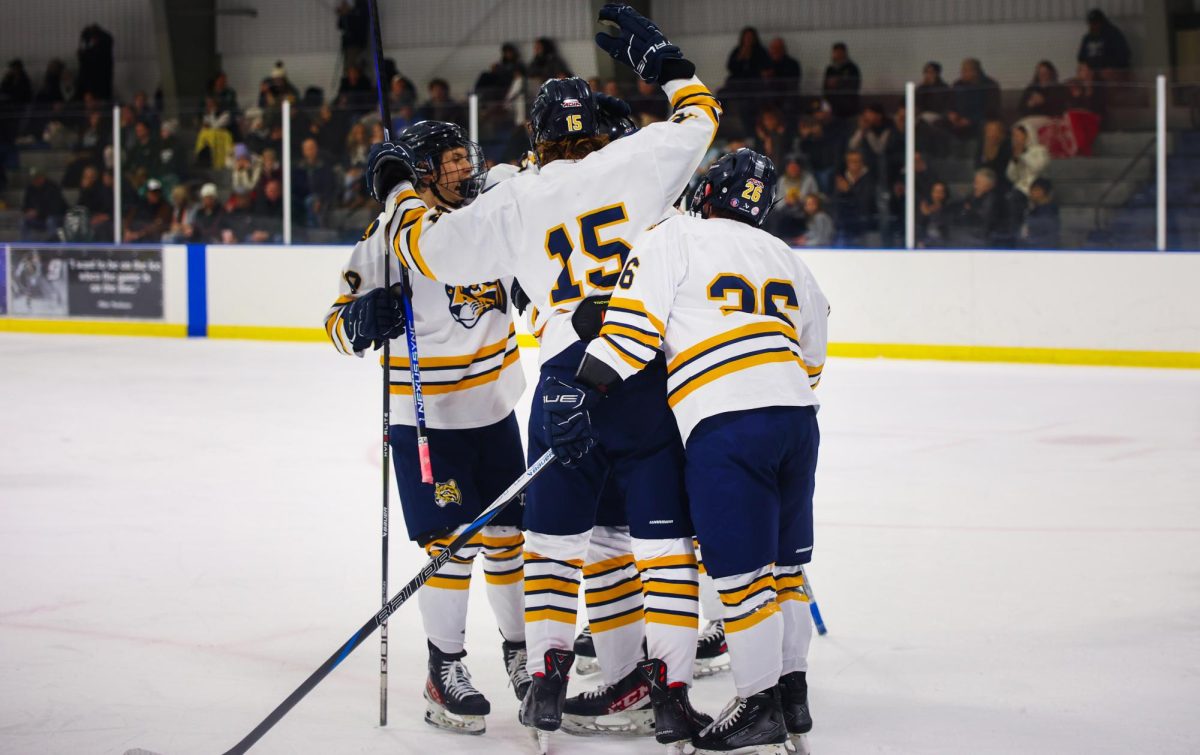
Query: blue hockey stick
(812, 604)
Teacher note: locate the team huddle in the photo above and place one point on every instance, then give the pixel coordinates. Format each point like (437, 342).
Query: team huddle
(678, 356)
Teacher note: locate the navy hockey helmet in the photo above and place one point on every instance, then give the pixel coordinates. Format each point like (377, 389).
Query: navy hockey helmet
(429, 141)
(614, 116)
(740, 183)
(563, 109)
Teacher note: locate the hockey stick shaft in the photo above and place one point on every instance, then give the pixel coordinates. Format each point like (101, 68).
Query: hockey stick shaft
(431, 568)
(813, 608)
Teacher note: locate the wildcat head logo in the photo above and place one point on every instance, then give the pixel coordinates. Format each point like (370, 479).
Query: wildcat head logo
(446, 493)
(469, 303)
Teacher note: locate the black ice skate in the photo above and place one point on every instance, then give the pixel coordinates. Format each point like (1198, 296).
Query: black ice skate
(515, 656)
(712, 652)
(675, 720)
(542, 708)
(585, 653)
(747, 725)
(622, 708)
(451, 701)
(793, 691)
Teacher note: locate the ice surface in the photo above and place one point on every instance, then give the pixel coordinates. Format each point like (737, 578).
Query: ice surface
(1008, 558)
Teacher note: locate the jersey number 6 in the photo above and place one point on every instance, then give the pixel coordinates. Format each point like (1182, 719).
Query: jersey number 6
(777, 295)
(610, 254)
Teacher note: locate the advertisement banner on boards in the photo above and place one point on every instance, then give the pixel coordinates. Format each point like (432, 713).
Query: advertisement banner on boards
(116, 283)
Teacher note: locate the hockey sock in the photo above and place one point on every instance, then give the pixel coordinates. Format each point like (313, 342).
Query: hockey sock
(671, 589)
(614, 602)
(797, 622)
(753, 629)
(710, 602)
(552, 572)
(443, 599)
(504, 570)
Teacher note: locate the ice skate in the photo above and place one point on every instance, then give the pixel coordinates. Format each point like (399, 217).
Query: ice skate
(793, 691)
(749, 725)
(451, 700)
(515, 657)
(542, 708)
(712, 653)
(675, 720)
(586, 662)
(622, 709)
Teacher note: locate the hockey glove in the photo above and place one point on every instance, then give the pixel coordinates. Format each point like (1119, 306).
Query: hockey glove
(374, 317)
(388, 164)
(520, 299)
(639, 44)
(565, 420)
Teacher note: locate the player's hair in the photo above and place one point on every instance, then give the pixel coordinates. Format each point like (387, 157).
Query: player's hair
(569, 149)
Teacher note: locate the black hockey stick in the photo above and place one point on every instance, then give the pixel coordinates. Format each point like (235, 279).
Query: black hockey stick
(390, 607)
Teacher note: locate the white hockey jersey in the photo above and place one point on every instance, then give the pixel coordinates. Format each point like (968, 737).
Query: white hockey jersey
(736, 312)
(466, 337)
(566, 231)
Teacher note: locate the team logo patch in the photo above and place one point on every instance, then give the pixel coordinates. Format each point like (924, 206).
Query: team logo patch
(469, 303)
(571, 103)
(754, 211)
(446, 493)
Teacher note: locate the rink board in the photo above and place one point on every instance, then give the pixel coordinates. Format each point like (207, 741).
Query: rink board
(1101, 308)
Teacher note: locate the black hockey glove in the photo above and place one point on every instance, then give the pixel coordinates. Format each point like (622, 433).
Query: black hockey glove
(388, 164)
(565, 420)
(374, 317)
(520, 299)
(639, 44)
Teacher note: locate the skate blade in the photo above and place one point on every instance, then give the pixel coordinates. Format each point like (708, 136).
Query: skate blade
(779, 749)
(439, 717)
(627, 723)
(703, 667)
(798, 744)
(541, 740)
(683, 747)
(585, 666)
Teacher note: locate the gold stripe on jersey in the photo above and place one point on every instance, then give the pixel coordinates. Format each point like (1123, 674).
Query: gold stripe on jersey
(792, 595)
(730, 336)
(446, 583)
(434, 389)
(618, 620)
(406, 194)
(737, 364)
(504, 578)
(766, 611)
(739, 596)
(635, 362)
(789, 581)
(636, 307)
(624, 589)
(686, 589)
(562, 615)
(607, 565)
(667, 562)
(645, 338)
(464, 360)
(672, 618)
(414, 246)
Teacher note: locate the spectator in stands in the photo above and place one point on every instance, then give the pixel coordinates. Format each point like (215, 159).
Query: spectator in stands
(179, 230)
(546, 62)
(325, 126)
(933, 217)
(313, 186)
(43, 208)
(995, 152)
(855, 195)
(976, 100)
(747, 62)
(795, 176)
(771, 133)
(239, 219)
(356, 93)
(88, 148)
(1083, 93)
(208, 219)
(933, 97)
(1044, 95)
(842, 83)
(1104, 48)
(172, 157)
(354, 22)
(49, 98)
(788, 221)
(224, 94)
(782, 72)
(247, 170)
(648, 105)
(496, 87)
(439, 106)
(402, 93)
(820, 149)
(878, 142)
(143, 153)
(276, 88)
(214, 141)
(16, 90)
(1042, 227)
(357, 146)
(266, 220)
(820, 231)
(97, 199)
(96, 63)
(271, 170)
(143, 111)
(149, 218)
(978, 221)
(1028, 159)
(923, 180)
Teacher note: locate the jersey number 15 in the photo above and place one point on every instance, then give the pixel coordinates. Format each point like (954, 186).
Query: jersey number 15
(609, 254)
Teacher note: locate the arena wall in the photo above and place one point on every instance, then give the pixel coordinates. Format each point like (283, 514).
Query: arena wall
(1111, 308)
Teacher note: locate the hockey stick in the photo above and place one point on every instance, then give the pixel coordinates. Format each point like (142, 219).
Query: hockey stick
(414, 369)
(391, 606)
(812, 604)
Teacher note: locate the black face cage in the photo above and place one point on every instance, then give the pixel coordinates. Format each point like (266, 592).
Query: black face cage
(471, 185)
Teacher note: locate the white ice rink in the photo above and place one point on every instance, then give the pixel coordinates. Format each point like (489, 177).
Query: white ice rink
(1008, 558)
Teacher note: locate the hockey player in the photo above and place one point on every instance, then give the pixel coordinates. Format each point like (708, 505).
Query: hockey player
(472, 380)
(742, 324)
(565, 233)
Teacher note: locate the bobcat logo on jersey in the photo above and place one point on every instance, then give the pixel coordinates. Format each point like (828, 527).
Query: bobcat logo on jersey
(469, 303)
(446, 493)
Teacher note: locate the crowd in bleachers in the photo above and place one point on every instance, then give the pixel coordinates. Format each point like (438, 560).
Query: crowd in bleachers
(215, 174)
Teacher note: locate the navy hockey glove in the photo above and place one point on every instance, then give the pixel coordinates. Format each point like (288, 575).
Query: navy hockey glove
(389, 163)
(565, 420)
(374, 317)
(639, 44)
